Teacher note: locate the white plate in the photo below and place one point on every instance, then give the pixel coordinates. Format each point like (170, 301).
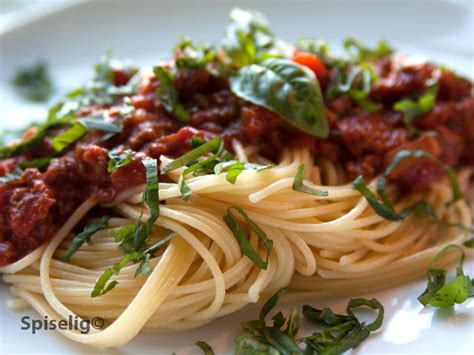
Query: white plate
(73, 38)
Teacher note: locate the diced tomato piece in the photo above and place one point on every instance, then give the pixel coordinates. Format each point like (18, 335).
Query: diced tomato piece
(312, 62)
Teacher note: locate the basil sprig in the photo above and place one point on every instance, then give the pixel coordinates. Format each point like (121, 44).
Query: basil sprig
(242, 238)
(286, 88)
(85, 236)
(339, 334)
(440, 293)
(384, 208)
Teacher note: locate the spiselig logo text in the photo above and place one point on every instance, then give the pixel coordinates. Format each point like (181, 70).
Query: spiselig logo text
(72, 323)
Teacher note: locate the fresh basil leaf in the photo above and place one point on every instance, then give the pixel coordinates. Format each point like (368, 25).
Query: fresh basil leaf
(243, 240)
(298, 184)
(191, 156)
(85, 236)
(68, 137)
(286, 88)
(167, 93)
(119, 159)
(152, 200)
(205, 347)
(247, 36)
(34, 83)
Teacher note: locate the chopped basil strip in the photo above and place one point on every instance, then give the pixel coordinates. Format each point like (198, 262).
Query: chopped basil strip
(438, 293)
(103, 285)
(34, 83)
(68, 137)
(286, 88)
(125, 235)
(167, 93)
(359, 52)
(151, 199)
(31, 143)
(85, 236)
(205, 347)
(191, 156)
(298, 184)
(469, 243)
(385, 207)
(357, 85)
(119, 159)
(339, 334)
(414, 108)
(243, 240)
(318, 48)
(184, 188)
(416, 154)
(39, 163)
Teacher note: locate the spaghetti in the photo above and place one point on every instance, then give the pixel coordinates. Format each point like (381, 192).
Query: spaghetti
(256, 184)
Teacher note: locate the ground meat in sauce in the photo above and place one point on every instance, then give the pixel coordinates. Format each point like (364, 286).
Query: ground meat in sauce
(34, 207)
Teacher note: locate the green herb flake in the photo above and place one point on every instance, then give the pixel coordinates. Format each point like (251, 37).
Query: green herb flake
(298, 184)
(68, 137)
(243, 240)
(438, 293)
(205, 347)
(168, 95)
(85, 236)
(119, 159)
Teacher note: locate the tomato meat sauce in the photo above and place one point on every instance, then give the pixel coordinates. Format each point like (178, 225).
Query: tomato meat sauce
(34, 206)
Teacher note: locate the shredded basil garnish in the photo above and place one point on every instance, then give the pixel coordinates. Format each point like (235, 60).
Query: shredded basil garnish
(168, 95)
(151, 199)
(34, 83)
(68, 137)
(339, 334)
(360, 52)
(100, 125)
(191, 156)
(205, 347)
(85, 236)
(414, 108)
(119, 159)
(286, 88)
(438, 293)
(385, 207)
(243, 240)
(299, 186)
